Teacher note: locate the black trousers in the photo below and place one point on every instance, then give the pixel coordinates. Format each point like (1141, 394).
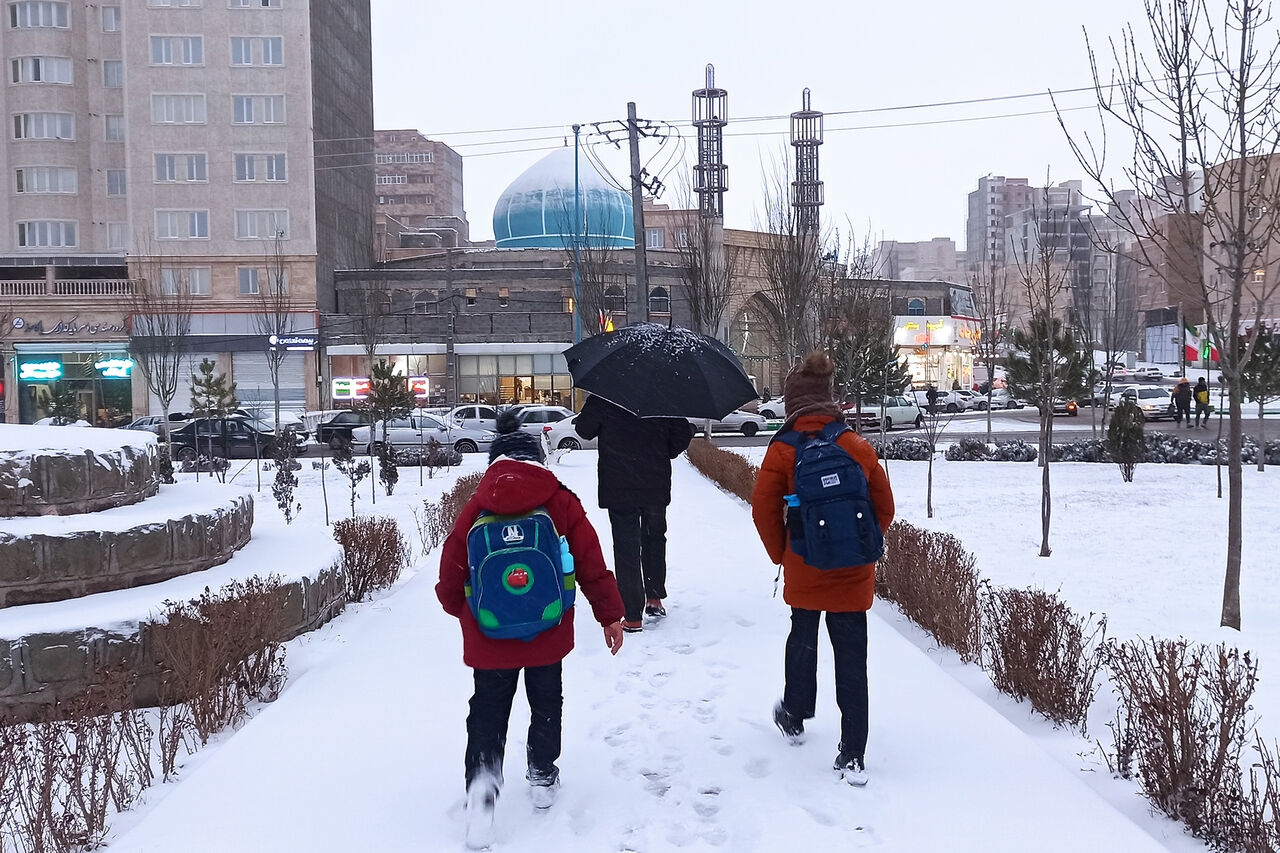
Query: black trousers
(848, 632)
(1182, 410)
(639, 556)
(1202, 409)
(491, 712)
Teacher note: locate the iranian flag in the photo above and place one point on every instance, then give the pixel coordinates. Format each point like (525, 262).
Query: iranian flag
(1195, 341)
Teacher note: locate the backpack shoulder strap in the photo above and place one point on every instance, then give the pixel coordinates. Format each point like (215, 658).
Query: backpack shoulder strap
(792, 436)
(833, 430)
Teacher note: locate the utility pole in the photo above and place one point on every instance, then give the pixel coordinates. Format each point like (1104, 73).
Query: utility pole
(577, 222)
(637, 309)
(450, 360)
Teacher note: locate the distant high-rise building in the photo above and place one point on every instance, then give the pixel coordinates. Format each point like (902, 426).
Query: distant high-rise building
(419, 185)
(995, 199)
(927, 260)
(184, 140)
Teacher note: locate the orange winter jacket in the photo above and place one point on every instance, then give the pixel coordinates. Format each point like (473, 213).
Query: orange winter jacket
(805, 587)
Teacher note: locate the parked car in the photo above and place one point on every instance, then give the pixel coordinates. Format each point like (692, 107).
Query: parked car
(746, 423)
(475, 416)
(773, 410)
(1000, 399)
(948, 401)
(266, 417)
(890, 412)
(150, 423)
(1148, 373)
(1155, 402)
(563, 435)
(534, 418)
(420, 428)
(231, 437)
(336, 431)
(1063, 406)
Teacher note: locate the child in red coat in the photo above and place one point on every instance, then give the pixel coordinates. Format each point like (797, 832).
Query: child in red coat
(516, 482)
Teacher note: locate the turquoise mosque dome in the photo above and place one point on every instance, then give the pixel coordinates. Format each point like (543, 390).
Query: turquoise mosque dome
(536, 210)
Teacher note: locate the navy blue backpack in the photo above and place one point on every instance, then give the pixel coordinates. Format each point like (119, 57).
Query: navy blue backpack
(831, 521)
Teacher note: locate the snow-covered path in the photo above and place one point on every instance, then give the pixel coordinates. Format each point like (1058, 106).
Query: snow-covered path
(668, 746)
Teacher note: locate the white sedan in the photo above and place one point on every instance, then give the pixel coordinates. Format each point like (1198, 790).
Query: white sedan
(563, 436)
(746, 423)
(890, 412)
(773, 410)
(421, 429)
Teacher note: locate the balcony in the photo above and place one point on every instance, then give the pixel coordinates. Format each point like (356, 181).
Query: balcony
(75, 288)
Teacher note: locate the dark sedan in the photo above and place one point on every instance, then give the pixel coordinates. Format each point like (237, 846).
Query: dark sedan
(231, 438)
(336, 431)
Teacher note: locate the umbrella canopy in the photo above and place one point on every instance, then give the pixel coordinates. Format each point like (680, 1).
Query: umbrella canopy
(655, 371)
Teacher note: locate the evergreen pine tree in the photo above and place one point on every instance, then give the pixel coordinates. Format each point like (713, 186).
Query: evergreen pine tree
(1125, 440)
(355, 471)
(1046, 363)
(389, 398)
(211, 395)
(1261, 381)
(64, 404)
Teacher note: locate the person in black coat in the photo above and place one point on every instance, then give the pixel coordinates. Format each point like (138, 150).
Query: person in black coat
(635, 487)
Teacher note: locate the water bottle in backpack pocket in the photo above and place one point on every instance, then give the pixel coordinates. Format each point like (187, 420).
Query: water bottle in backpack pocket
(521, 579)
(831, 521)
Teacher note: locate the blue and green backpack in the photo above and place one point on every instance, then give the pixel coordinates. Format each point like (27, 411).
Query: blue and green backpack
(521, 578)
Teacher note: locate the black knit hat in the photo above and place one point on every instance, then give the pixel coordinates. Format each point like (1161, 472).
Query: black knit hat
(513, 442)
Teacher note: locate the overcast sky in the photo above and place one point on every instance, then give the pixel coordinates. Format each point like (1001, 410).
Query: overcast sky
(461, 70)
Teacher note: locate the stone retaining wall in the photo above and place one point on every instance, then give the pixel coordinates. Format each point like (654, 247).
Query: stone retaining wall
(47, 482)
(39, 669)
(47, 567)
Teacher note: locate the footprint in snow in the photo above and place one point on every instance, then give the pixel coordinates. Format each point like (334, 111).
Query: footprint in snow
(744, 622)
(757, 768)
(581, 821)
(705, 713)
(715, 834)
(682, 649)
(615, 737)
(820, 817)
(658, 679)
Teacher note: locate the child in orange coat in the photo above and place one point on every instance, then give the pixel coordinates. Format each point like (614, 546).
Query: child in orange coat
(844, 594)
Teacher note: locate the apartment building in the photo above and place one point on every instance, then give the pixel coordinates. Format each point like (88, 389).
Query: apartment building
(925, 260)
(996, 198)
(419, 187)
(196, 142)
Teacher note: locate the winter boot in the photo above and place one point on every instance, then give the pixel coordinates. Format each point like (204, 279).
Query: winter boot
(632, 627)
(482, 796)
(792, 728)
(653, 607)
(851, 768)
(543, 786)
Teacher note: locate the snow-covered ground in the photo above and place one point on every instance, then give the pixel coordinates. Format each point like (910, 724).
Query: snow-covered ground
(670, 746)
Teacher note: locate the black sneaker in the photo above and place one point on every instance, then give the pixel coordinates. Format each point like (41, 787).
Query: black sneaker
(851, 768)
(792, 728)
(632, 627)
(653, 607)
(544, 784)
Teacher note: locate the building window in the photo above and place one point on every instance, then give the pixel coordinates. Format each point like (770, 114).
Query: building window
(391, 179)
(682, 237)
(47, 233)
(248, 278)
(504, 297)
(614, 298)
(659, 301)
(177, 50)
(262, 224)
(113, 128)
(273, 50)
(182, 224)
(566, 301)
(244, 167)
(117, 235)
(257, 109)
(241, 50)
(111, 19)
(44, 126)
(197, 167)
(115, 182)
(653, 238)
(186, 4)
(166, 168)
(471, 296)
(193, 280)
(113, 73)
(178, 109)
(255, 4)
(915, 307)
(45, 179)
(404, 157)
(276, 168)
(41, 69)
(39, 13)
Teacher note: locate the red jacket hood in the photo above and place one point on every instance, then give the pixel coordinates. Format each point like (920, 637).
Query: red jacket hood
(511, 486)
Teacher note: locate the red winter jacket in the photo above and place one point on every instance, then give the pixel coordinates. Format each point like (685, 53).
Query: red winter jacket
(509, 487)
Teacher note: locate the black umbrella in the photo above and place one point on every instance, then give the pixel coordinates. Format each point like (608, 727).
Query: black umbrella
(656, 371)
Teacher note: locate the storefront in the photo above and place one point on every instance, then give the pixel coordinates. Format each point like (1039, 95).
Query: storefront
(486, 373)
(938, 351)
(93, 379)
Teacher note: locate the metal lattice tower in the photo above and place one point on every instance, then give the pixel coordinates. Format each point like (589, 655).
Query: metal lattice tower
(710, 115)
(806, 189)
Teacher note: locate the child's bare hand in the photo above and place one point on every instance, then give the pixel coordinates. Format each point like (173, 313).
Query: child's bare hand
(613, 637)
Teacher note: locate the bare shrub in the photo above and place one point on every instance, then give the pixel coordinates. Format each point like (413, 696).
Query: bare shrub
(1189, 706)
(430, 524)
(452, 501)
(1261, 825)
(222, 651)
(374, 552)
(726, 469)
(932, 579)
(1038, 648)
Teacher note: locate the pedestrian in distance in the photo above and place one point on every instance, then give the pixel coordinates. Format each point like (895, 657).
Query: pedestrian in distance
(1182, 403)
(931, 395)
(635, 487)
(520, 522)
(1202, 403)
(826, 569)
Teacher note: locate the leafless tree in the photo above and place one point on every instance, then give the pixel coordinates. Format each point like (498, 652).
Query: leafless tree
(275, 314)
(1201, 109)
(159, 323)
(602, 280)
(990, 283)
(709, 272)
(790, 259)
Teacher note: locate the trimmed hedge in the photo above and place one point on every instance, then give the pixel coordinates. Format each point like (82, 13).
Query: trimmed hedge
(1160, 447)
